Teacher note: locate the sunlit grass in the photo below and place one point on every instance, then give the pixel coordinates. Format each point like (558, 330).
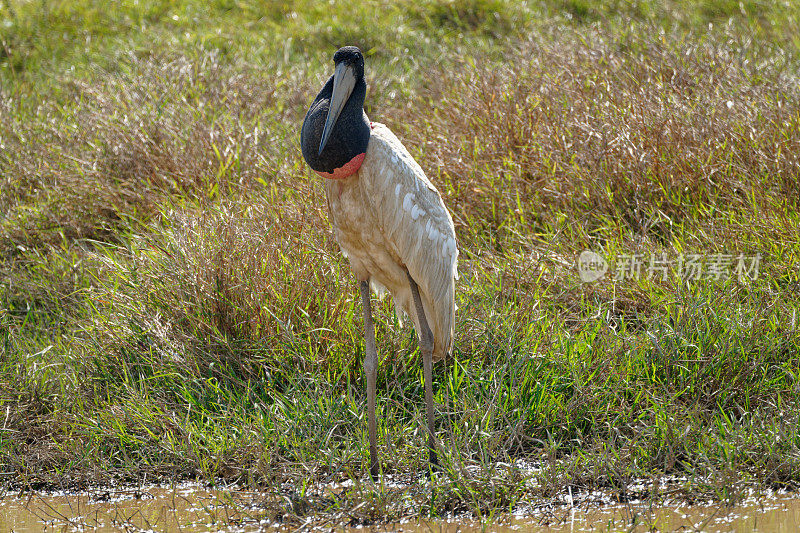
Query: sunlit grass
(173, 304)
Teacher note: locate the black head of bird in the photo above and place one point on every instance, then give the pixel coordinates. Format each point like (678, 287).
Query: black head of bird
(336, 129)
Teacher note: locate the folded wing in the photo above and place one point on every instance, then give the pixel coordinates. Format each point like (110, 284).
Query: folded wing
(417, 225)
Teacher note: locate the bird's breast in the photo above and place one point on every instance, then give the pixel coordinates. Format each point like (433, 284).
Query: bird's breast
(358, 231)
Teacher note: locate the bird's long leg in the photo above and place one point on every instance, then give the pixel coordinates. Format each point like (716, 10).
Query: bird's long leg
(371, 370)
(426, 346)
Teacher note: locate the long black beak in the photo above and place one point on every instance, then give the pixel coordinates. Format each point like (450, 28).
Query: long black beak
(344, 80)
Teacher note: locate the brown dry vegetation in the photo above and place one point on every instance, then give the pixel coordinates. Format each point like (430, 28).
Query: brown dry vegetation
(595, 128)
(172, 302)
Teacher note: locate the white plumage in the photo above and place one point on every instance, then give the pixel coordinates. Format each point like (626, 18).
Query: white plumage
(390, 222)
(389, 218)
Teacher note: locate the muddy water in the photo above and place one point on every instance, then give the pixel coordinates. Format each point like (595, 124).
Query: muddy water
(186, 507)
(192, 508)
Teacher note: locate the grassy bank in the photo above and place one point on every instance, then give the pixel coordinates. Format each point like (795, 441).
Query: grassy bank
(173, 305)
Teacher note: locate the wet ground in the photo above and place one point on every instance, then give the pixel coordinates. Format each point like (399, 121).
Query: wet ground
(193, 508)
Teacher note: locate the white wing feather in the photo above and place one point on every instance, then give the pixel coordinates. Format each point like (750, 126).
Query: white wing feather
(416, 227)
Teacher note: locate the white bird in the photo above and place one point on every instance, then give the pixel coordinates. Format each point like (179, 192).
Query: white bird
(389, 220)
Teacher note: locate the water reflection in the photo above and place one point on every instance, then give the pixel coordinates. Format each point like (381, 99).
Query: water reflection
(192, 508)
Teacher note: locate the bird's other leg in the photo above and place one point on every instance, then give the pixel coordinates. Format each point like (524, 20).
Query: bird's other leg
(426, 346)
(371, 370)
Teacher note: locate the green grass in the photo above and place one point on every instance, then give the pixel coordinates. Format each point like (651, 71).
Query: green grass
(173, 304)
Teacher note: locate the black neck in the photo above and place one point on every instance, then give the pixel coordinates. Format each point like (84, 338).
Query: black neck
(350, 134)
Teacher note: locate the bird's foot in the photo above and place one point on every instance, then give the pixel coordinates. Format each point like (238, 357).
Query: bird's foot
(433, 464)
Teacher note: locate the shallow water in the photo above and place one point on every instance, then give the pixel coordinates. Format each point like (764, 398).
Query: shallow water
(192, 508)
(184, 507)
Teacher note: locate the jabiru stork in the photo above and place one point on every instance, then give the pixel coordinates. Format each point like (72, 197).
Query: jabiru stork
(389, 221)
